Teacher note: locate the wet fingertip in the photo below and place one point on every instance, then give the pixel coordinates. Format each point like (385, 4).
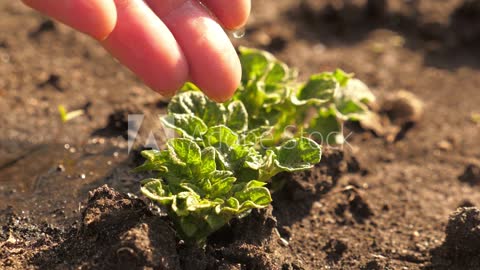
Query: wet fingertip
(232, 14)
(221, 99)
(166, 94)
(221, 94)
(106, 28)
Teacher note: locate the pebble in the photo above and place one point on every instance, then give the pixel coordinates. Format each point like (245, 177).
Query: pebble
(444, 145)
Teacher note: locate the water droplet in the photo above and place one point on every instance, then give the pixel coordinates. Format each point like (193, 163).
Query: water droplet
(239, 33)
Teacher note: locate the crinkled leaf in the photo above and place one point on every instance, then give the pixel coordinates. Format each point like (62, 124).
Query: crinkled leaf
(184, 151)
(325, 127)
(298, 154)
(237, 116)
(342, 77)
(155, 161)
(254, 63)
(220, 135)
(187, 125)
(255, 183)
(196, 103)
(208, 165)
(253, 98)
(153, 189)
(318, 89)
(355, 90)
(232, 203)
(222, 187)
(215, 222)
(351, 109)
(255, 136)
(254, 197)
(278, 74)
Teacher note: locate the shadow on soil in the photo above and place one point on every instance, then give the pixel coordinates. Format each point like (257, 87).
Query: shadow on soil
(448, 45)
(301, 190)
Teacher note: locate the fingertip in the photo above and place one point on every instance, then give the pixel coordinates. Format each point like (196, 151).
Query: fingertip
(95, 18)
(233, 14)
(106, 23)
(225, 82)
(144, 44)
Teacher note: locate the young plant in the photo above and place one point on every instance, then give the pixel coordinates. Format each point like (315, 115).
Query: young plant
(273, 97)
(220, 166)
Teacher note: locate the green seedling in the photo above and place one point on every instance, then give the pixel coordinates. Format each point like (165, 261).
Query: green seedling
(66, 116)
(475, 117)
(220, 166)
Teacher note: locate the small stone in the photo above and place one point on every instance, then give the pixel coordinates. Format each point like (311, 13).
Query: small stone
(403, 107)
(60, 168)
(444, 145)
(284, 242)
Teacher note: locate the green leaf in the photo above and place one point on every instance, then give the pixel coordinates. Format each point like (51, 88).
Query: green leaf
(277, 74)
(153, 189)
(325, 127)
(351, 101)
(196, 103)
(220, 135)
(155, 161)
(351, 109)
(355, 90)
(255, 136)
(298, 154)
(253, 98)
(255, 183)
(215, 222)
(319, 89)
(254, 63)
(342, 77)
(237, 116)
(184, 151)
(188, 226)
(232, 203)
(255, 197)
(221, 187)
(208, 165)
(187, 125)
(188, 86)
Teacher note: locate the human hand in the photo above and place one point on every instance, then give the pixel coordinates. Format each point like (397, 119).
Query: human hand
(165, 42)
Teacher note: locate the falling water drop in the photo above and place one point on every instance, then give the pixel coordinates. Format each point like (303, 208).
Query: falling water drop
(239, 33)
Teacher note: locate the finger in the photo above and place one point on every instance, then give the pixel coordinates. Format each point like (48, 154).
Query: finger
(143, 43)
(232, 14)
(213, 63)
(96, 18)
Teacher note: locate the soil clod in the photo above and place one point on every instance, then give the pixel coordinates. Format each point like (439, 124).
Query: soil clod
(45, 26)
(335, 249)
(54, 81)
(463, 231)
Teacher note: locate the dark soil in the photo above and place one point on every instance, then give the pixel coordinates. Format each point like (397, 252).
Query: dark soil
(387, 200)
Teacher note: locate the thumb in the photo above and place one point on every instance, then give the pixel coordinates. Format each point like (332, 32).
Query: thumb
(96, 18)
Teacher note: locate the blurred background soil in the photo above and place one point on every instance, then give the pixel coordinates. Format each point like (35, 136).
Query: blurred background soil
(380, 203)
